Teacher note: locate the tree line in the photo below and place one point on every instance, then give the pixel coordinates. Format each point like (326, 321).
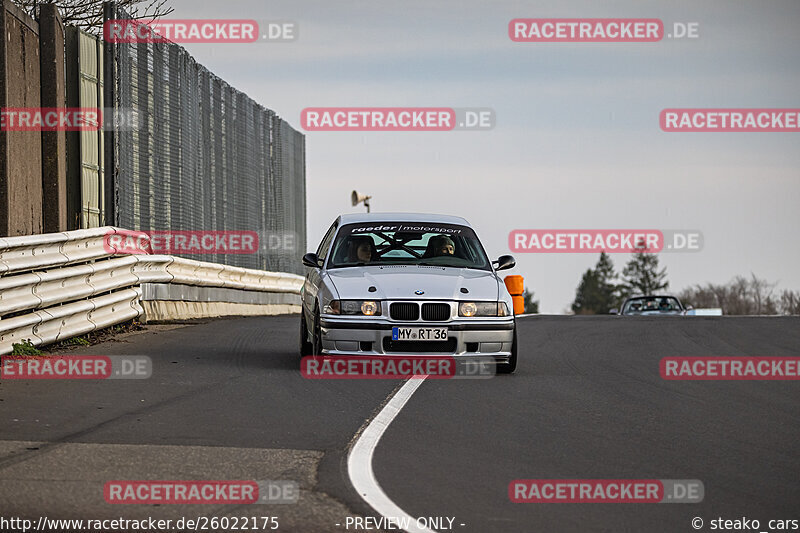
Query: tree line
(601, 289)
(743, 296)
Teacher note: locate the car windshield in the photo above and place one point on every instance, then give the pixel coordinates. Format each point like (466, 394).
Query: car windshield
(408, 243)
(651, 304)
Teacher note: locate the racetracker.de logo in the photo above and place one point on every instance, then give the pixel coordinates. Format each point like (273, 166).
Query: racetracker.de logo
(378, 119)
(583, 241)
(50, 119)
(730, 120)
(730, 368)
(68, 119)
(606, 491)
(181, 242)
(580, 30)
(397, 118)
(180, 31)
(396, 367)
(76, 367)
(201, 492)
(198, 31)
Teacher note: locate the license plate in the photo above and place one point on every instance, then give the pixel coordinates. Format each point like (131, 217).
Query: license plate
(419, 334)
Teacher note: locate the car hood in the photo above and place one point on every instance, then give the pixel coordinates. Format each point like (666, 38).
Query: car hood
(400, 283)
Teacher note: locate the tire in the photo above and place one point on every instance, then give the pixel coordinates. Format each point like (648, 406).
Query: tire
(306, 348)
(511, 366)
(316, 337)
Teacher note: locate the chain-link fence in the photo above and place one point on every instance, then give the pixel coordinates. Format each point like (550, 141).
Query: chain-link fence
(204, 157)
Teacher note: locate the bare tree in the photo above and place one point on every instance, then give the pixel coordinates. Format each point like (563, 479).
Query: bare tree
(737, 297)
(790, 302)
(741, 296)
(761, 292)
(707, 296)
(88, 14)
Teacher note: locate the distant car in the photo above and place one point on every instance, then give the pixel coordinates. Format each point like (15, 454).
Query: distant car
(406, 284)
(659, 304)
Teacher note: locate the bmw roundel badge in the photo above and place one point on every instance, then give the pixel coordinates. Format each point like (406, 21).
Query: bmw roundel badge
(419, 292)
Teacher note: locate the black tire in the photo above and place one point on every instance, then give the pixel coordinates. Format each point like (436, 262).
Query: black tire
(316, 338)
(511, 366)
(306, 348)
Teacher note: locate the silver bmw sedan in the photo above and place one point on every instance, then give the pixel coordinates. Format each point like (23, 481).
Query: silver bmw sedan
(406, 284)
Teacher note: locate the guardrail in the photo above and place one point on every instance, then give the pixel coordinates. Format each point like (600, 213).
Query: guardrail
(32, 252)
(60, 285)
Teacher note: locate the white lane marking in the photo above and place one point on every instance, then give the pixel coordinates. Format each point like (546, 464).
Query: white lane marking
(359, 462)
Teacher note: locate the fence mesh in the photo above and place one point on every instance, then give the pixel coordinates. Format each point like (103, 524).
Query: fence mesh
(204, 157)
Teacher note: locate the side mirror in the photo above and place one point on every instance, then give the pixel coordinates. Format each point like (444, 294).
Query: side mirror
(614, 311)
(311, 260)
(505, 262)
(689, 307)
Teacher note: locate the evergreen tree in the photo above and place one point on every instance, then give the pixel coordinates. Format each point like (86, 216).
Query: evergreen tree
(641, 275)
(531, 305)
(607, 281)
(597, 292)
(587, 295)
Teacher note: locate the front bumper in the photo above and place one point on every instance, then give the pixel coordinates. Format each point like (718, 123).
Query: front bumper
(466, 338)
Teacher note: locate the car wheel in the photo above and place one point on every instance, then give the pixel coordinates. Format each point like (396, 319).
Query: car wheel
(306, 348)
(316, 338)
(511, 366)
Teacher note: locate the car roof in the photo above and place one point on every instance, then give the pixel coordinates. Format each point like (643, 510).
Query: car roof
(358, 218)
(658, 295)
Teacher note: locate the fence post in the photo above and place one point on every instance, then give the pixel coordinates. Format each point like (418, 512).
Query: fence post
(111, 103)
(54, 143)
(20, 151)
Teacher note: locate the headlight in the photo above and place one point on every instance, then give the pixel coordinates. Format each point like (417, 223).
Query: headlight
(353, 307)
(349, 307)
(370, 308)
(469, 309)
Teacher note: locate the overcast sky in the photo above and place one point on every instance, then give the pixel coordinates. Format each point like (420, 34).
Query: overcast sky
(577, 142)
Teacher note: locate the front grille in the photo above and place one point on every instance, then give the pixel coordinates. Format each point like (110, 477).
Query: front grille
(448, 346)
(435, 312)
(404, 311)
